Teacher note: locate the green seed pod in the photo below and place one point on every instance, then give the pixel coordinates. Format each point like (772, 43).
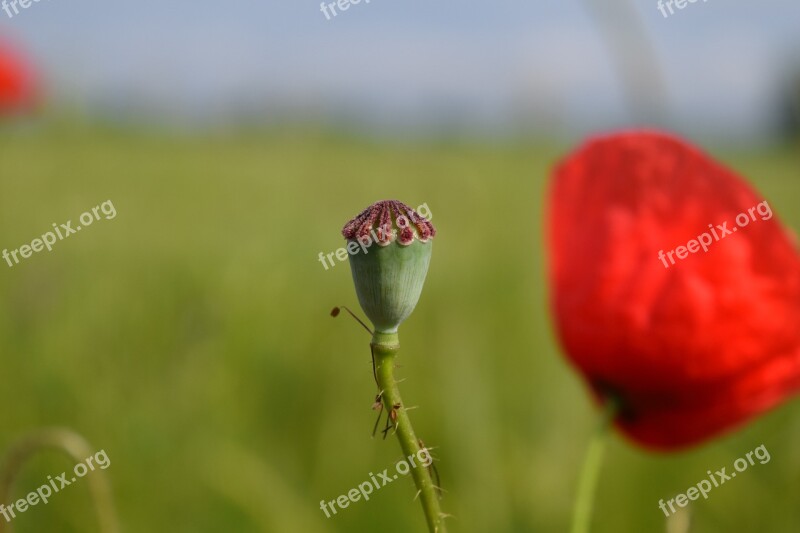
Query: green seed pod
(389, 277)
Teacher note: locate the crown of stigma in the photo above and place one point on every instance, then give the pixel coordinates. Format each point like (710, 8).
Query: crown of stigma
(387, 221)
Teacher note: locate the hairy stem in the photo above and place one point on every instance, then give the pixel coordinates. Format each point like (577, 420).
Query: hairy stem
(385, 347)
(76, 448)
(587, 484)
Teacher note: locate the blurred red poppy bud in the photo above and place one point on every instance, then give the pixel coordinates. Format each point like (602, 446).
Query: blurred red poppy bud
(17, 83)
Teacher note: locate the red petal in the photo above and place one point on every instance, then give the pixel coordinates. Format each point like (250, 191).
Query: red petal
(693, 349)
(17, 86)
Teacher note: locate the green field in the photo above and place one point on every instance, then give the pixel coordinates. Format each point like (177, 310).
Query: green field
(189, 338)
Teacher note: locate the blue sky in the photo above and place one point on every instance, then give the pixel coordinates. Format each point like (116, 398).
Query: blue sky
(405, 63)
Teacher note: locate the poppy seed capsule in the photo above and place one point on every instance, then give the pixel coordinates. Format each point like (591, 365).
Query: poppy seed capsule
(389, 277)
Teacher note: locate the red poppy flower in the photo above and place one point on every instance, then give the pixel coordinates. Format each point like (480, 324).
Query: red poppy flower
(17, 86)
(693, 344)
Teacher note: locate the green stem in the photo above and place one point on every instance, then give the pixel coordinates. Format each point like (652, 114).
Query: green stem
(79, 450)
(587, 484)
(385, 347)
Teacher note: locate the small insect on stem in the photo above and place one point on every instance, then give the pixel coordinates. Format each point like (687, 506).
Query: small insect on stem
(391, 420)
(377, 406)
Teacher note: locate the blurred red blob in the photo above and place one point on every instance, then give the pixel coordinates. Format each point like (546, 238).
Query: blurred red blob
(18, 92)
(690, 349)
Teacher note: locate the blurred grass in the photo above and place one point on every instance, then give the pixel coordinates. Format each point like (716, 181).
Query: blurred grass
(189, 337)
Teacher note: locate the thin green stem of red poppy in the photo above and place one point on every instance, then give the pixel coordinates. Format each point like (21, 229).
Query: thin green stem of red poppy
(587, 484)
